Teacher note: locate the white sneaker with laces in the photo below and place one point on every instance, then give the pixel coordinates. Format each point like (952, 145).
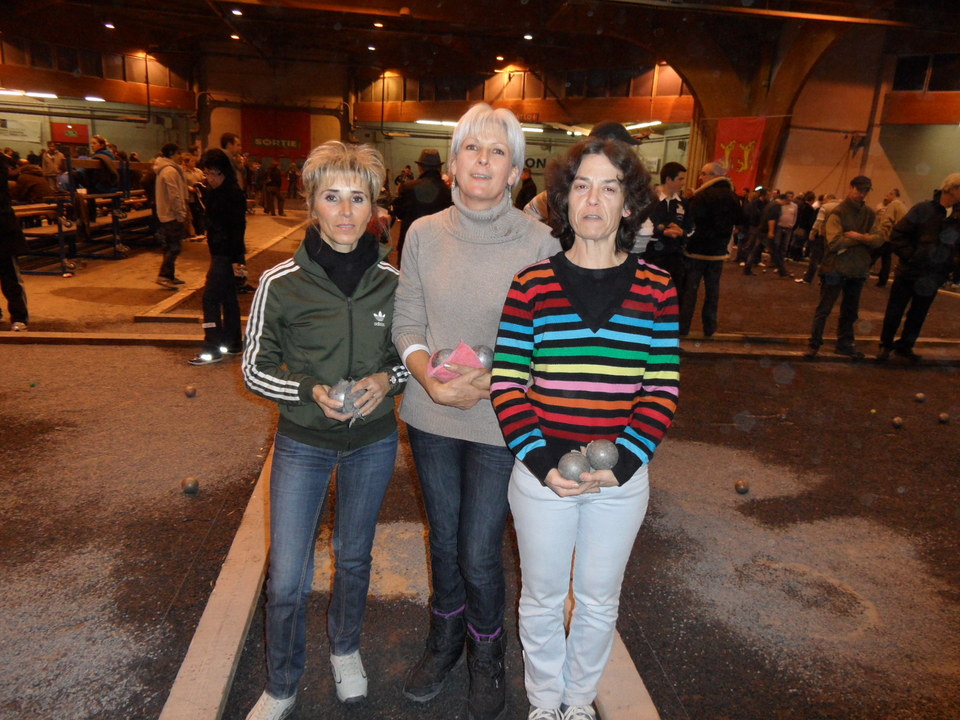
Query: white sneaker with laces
(544, 714)
(349, 677)
(270, 708)
(579, 712)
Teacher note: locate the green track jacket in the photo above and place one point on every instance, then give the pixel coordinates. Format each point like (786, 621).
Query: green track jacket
(303, 332)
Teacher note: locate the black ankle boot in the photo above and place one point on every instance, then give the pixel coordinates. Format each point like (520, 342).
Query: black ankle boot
(487, 699)
(443, 652)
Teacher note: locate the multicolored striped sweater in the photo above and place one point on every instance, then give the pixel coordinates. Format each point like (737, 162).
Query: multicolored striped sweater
(557, 384)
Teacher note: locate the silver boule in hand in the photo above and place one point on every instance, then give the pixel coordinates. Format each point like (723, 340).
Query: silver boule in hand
(572, 465)
(602, 454)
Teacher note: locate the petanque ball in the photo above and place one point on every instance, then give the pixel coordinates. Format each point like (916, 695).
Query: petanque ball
(920, 397)
(190, 486)
(602, 454)
(440, 357)
(741, 487)
(572, 465)
(897, 422)
(944, 418)
(190, 391)
(344, 394)
(485, 354)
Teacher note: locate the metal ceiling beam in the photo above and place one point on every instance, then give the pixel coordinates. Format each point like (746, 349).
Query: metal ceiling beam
(755, 12)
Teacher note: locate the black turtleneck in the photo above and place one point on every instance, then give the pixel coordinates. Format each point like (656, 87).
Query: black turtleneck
(344, 269)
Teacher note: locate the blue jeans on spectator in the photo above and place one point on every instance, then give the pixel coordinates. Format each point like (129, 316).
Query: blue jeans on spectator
(299, 481)
(464, 487)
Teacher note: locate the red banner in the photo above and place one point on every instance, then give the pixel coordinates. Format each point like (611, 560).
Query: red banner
(267, 132)
(738, 146)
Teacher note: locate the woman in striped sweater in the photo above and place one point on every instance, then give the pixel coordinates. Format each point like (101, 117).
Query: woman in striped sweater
(587, 349)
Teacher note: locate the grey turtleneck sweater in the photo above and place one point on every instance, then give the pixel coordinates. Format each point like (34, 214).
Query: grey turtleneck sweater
(457, 268)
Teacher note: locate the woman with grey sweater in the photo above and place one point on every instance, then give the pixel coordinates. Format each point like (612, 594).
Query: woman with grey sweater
(457, 269)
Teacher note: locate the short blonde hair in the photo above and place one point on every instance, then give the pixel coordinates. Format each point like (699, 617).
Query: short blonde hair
(335, 158)
(950, 182)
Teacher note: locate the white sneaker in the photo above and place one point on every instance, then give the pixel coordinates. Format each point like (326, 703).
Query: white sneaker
(544, 714)
(580, 712)
(269, 708)
(349, 676)
(18, 327)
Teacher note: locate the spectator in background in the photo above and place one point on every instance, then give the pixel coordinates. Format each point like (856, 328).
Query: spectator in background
(528, 189)
(852, 232)
(273, 190)
(816, 244)
(293, 180)
(927, 243)
(225, 209)
(12, 244)
(170, 190)
(890, 212)
(53, 163)
(31, 186)
(714, 211)
(426, 195)
(671, 224)
(194, 178)
(230, 144)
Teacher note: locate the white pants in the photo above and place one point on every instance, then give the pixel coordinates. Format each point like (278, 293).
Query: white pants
(601, 528)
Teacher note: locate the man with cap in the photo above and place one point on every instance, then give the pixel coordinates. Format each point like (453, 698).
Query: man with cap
(852, 232)
(426, 195)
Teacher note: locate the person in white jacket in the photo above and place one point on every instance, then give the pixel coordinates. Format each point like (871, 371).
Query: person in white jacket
(171, 205)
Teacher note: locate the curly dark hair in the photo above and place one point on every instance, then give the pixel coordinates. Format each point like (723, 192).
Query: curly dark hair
(638, 195)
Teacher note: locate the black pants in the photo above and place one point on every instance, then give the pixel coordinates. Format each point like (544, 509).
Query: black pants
(816, 248)
(884, 252)
(12, 287)
(221, 309)
(695, 270)
(171, 235)
(832, 286)
(916, 292)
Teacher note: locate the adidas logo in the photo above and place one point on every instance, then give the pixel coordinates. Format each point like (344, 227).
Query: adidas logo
(378, 318)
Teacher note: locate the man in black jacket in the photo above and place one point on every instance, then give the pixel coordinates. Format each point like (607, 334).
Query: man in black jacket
(426, 195)
(927, 242)
(714, 210)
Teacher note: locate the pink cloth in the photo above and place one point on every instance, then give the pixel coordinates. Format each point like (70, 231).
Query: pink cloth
(462, 354)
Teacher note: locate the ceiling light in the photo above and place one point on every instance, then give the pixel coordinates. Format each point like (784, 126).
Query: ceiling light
(445, 123)
(378, 24)
(371, 47)
(499, 58)
(234, 37)
(532, 129)
(94, 98)
(237, 11)
(12, 92)
(109, 26)
(47, 95)
(637, 126)
(528, 36)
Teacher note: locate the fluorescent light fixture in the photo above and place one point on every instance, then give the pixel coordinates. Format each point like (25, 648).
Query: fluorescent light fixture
(637, 126)
(49, 96)
(94, 98)
(109, 26)
(12, 92)
(528, 36)
(445, 123)
(234, 37)
(237, 11)
(378, 24)
(532, 129)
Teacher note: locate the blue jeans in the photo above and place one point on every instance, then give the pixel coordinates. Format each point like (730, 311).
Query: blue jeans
(299, 481)
(465, 492)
